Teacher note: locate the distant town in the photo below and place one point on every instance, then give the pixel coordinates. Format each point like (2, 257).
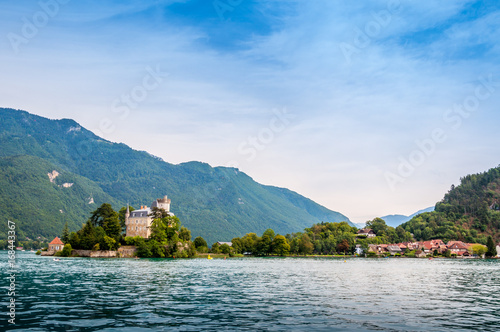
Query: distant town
(430, 248)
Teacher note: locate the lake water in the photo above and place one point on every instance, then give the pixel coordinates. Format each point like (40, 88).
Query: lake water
(306, 294)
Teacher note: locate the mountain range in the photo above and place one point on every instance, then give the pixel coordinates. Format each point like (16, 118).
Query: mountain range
(394, 220)
(56, 171)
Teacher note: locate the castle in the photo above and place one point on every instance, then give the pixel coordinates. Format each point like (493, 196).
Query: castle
(138, 222)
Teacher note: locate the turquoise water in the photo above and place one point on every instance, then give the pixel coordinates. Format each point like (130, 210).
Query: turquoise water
(253, 294)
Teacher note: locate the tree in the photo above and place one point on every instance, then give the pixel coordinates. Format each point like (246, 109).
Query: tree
(112, 226)
(157, 249)
(237, 245)
(215, 248)
(249, 242)
(158, 213)
(225, 248)
(65, 233)
(280, 245)
(159, 230)
(305, 245)
(263, 245)
(478, 249)
(185, 234)
(269, 232)
(74, 240)
(378, 226)
(343, 246)
(101, 214)
(111, 243)
(200, 242)
(492, 250)
(87, 237)
(295, 245)
(143, 249)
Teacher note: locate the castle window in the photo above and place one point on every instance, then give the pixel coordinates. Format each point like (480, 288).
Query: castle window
(136, 228)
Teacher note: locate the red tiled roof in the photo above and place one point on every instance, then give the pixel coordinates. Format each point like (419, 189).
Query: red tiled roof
(458, 245)
(56, 241)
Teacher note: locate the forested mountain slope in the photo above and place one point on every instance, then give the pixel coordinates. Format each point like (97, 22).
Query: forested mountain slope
(217, 203)
(468, 212)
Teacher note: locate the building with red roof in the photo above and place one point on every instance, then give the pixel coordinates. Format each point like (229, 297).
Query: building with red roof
(56, 245)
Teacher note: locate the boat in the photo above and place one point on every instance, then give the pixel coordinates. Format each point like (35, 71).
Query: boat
(209, 257)
(56, 259)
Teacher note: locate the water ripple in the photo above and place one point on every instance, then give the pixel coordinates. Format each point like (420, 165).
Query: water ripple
(256, 294)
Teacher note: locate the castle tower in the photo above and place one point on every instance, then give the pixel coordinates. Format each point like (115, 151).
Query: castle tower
(162, 203)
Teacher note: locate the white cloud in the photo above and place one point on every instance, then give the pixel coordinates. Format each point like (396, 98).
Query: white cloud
(354, 119)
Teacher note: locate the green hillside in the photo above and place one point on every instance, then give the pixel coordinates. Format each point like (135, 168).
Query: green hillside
(469, 212)
(216, 203)
(40, 207)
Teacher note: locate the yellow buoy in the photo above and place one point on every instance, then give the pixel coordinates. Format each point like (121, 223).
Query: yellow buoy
(209, 257)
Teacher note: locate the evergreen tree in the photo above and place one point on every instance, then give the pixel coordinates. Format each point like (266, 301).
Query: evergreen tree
(492, 250)
(102, 213)
(87, 236)
(112, 226)
(65, 234)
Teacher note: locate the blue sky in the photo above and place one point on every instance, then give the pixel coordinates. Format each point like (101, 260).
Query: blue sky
(368, 108)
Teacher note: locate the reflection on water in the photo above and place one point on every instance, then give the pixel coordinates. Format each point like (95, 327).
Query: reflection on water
(78, 294)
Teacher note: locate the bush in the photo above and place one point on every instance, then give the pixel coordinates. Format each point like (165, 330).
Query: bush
(39, 252)
(411, 254)
(96, 247)
(111, 243)
(66, 252)
(202, 249)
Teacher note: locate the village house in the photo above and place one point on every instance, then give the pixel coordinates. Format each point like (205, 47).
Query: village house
(458, 247)
(393, 249)
(138, 222)
(55, 246)
(378, 249)
(434, 245)
(369, 233)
